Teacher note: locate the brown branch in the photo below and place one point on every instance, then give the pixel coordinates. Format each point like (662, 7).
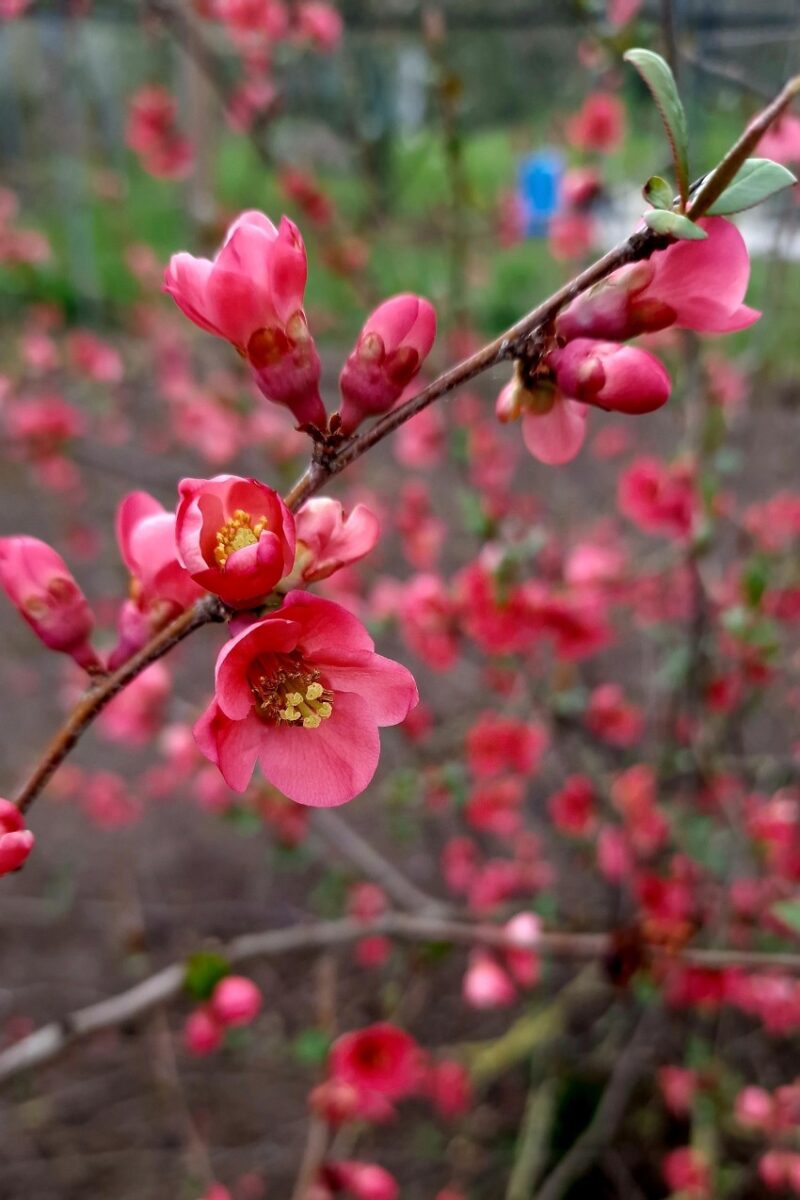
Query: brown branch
(51, 1041)
(105, 688)
(520, 339)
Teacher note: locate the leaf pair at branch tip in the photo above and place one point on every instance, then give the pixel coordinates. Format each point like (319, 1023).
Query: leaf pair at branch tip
(657, 75)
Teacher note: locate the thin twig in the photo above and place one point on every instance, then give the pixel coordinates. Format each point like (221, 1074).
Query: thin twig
(49, 1042)
(634, 1061)
(105, 688)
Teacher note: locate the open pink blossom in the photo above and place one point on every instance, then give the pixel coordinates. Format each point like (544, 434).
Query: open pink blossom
(395, 341)
(697, 285)
(553, 426)
(235, 537)
(617, 378)
(39, 583)
(16, 842)
(146, 539)
(381, 1058)
(327, 539)
(303, 693)
(252, 295)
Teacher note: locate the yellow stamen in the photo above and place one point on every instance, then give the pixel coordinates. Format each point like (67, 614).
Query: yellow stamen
(286, 691)
(239, 531)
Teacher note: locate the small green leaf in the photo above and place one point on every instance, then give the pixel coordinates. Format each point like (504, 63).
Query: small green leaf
(659, 78)
(657, 192)
(674, 224)
(788, 911)
(203, 972)
(311, 1047)
(756, 180)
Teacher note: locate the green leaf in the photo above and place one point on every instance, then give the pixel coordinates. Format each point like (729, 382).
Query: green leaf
(788, 911)
(674, 224)
(657, 192)
(203, 972)
(659, 78)
(756, 180)
(311, 1047)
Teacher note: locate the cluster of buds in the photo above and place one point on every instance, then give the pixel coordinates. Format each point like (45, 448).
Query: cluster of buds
(698, 285)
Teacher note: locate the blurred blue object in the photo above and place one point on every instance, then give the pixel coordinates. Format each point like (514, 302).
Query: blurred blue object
(539, 184)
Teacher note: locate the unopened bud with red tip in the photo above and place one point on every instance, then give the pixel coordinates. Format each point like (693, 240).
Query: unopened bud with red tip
(38, 581)
(335, 1101)
(611, 376)
(617, 308)
(362, 1180)
(16, 842)
(391, 348)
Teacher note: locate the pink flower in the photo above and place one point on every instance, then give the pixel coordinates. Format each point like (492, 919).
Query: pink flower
(448, 1085)
(146, 539)
(13, 8)
(16, 842)
(486, 985)
(678, 1087)
(553, 426)
(687, 1171)
(494, 806)
(657, 497)
(573, 808)
(522, 960)
(599, 124)
(755, 1108)
(381, 1058)
(621, 12)
(696, 285)
(611, 718)
(363, 1181)
(153, 134)
(235, 537)
(202, 1033)
(320, 23)
(607, 375)
(782, 140)
(235, 1001)
(38, 582)
(496, 743)
(328, 540)
(303, 692)
(252, 295)
(390, 350)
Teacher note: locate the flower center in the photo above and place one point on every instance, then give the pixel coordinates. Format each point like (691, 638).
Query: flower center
(239, 531)
(288, 692)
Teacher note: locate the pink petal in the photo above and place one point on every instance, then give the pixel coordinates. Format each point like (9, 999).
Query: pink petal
(555, 437)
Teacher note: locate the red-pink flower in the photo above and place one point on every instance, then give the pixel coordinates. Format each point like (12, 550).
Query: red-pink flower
(697, 285)
(235, 1001)
(599, 124)
(146, 539)
(495, 806)
(153, 134)
(573, 808)
(16, 842)
(320, 23)
(252, 295)
(381, 1058)
(620, 12)
(687, 1171)
(327, 539)
(782, 140)
(496, 743)
(486, 985)
(610, 717)
(448, 1085)
(38, 582)
(617, 378)
(202, 1033)
(362, 1180)
(553, 426)
(235, 537)
(395, 341)
(302, 692)
(657, 497)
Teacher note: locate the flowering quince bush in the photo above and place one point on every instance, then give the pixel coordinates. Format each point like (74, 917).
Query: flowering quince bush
(551, 948)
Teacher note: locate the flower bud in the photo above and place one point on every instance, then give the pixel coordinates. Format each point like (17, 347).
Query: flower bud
(607, 375)
(236, 1001)
(16, 842)
(38, 581)
(391, 348)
